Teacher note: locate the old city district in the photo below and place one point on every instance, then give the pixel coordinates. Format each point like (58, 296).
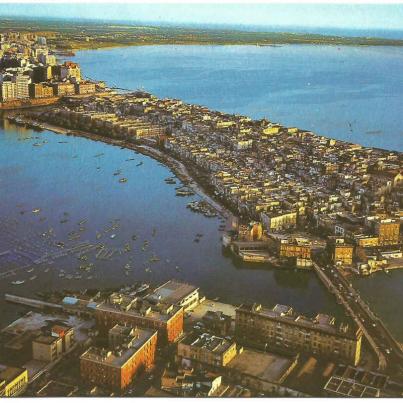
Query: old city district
(293, 199)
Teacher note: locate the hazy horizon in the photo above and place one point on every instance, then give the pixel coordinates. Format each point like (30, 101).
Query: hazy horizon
(387, 17)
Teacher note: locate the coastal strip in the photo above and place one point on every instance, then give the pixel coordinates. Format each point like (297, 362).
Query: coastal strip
(177, 167)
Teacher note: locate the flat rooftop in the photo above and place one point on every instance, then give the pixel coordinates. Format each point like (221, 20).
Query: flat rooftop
(284, 313)
(118, 358)
(172, 292)
(262, 365)
(207, 341)
(350, 388)
(10, 373)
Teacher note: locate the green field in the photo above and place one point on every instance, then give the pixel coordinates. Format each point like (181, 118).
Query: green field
(70, 35)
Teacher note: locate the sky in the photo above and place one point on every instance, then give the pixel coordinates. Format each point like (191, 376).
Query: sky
(360, 16)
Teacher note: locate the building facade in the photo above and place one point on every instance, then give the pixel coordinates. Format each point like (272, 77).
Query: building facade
(22, 86)
(168, 321)
(116, 367)
(280, 329)
(205, 349)
(8, 91)
(13, 381)
(40, 91)
(388, 232)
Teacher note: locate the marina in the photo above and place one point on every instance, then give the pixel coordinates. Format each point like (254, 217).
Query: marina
(153, 240)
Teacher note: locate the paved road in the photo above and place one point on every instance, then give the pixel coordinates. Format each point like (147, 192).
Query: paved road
(386, 347)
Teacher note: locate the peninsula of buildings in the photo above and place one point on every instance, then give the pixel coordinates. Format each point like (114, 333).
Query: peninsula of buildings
(298, 200)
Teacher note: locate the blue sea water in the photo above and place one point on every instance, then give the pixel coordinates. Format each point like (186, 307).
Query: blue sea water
(71, 179)
(349, 93)
(321, 88)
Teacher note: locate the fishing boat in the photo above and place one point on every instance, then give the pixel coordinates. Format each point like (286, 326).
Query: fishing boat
(18, 282)
(123, 180)
(170, 181)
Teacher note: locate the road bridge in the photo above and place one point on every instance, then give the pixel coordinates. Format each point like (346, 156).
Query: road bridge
(387, 349)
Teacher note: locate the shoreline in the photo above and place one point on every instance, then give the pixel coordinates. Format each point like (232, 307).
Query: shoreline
(177, 167)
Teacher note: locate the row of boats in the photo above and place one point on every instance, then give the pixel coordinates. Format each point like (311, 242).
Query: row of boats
(202, 207)
(21, 122)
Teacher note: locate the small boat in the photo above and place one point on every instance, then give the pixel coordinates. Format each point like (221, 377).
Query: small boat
(134, 237)
(36, 210)
(60, 244)
(82, 222)
(210, 214)
(18, 282)
(63, 221)
(113, 236)
(30, 270)
(142, 288)
(123, 180)
(118, 172)
(147, 270)
(99, 155)
(32, 278)
(37, 144)
(140, 163)
(130, 159)
(46, 270)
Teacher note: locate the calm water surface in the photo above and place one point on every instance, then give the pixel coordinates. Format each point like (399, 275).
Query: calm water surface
(318, 88)
(349, 93)
(62, 180)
